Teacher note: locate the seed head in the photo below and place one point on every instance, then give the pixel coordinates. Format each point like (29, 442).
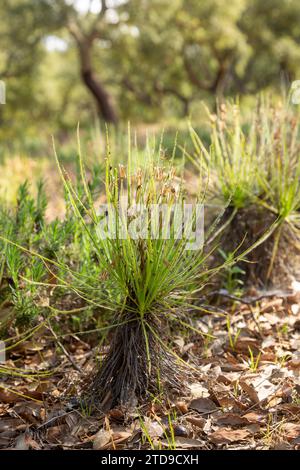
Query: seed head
(122, 171)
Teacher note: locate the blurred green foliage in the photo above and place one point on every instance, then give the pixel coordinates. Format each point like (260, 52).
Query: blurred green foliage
(155, 60)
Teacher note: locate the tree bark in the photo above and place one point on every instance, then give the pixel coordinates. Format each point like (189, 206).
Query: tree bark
(218, 84)
(105, 107)
(84, 41)
(94, 85)
(103, 100)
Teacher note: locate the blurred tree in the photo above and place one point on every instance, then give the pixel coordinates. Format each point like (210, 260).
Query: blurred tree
(142, 60)
(87, 28)
(272, 28)
(188, 48)
(23, 25)
(181, 49)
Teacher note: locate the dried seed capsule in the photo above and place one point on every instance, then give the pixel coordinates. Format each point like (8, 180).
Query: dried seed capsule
(122, 171)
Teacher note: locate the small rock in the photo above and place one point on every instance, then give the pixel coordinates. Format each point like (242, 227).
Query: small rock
(180, 431)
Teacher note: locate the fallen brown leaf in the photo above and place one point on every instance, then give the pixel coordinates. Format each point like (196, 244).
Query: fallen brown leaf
(259, 389)
(291, 431)
(183, 443)
(203, 405)
(244, 343)
(7, 396)
(106, 439)
(199, 422)
(226, 435)
(254, 418)
(232, 419)
(25, 442)
(102, 438)
(198, 391)
(153, 428)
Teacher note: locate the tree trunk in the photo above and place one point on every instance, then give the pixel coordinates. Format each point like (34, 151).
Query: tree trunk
(94, 85)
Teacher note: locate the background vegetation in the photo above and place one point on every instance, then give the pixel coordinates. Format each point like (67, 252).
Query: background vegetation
(147, 61)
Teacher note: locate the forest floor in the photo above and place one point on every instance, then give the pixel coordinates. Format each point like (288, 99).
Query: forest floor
(245, 394)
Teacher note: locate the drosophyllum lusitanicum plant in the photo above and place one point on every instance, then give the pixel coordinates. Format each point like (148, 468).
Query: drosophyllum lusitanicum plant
(151, 259)
(152, 253)
(152, 263)
(254, 168)
(149, 272)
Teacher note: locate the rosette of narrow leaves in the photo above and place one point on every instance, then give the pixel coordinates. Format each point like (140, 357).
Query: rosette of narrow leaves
(150, 272)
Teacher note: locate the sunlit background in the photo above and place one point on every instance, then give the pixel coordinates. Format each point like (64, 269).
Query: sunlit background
(150, 62)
